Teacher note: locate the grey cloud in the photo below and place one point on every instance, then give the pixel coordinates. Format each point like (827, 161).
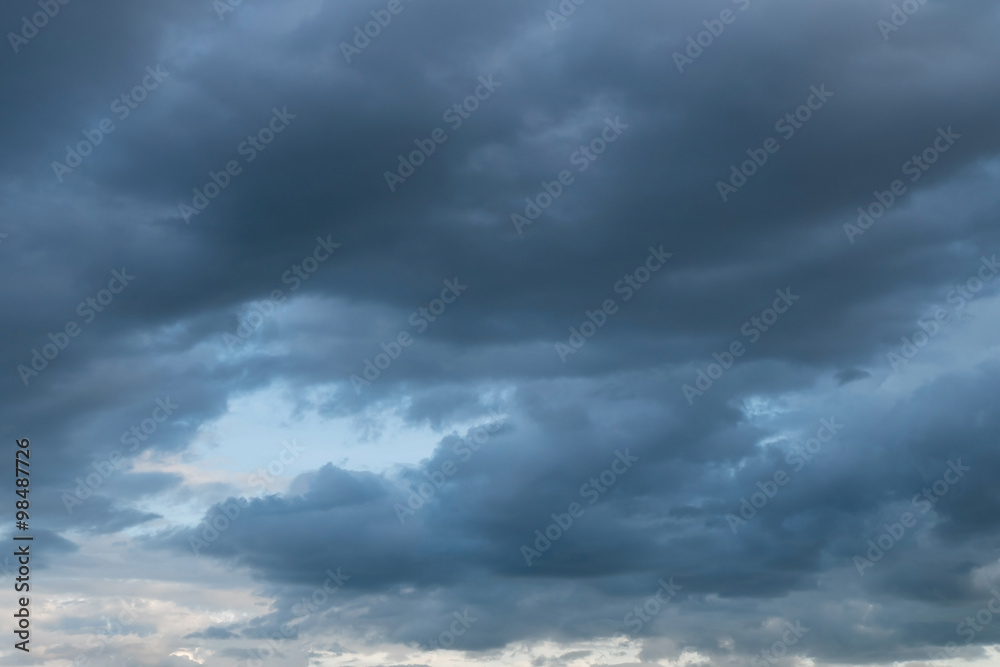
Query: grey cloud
(494, 348)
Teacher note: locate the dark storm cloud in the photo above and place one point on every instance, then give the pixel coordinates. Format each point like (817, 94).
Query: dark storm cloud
(851, 375)
(213, 632)
(471, 530)
(323, 176)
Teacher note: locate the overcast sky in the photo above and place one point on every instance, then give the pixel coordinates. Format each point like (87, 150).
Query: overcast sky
(430, 332)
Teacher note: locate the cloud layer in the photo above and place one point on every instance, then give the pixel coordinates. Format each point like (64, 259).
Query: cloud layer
(525, 309)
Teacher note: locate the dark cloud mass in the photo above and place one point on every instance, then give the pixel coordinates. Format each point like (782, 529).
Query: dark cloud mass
(468, 337)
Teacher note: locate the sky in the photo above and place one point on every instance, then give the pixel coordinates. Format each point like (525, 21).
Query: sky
(532, 333)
